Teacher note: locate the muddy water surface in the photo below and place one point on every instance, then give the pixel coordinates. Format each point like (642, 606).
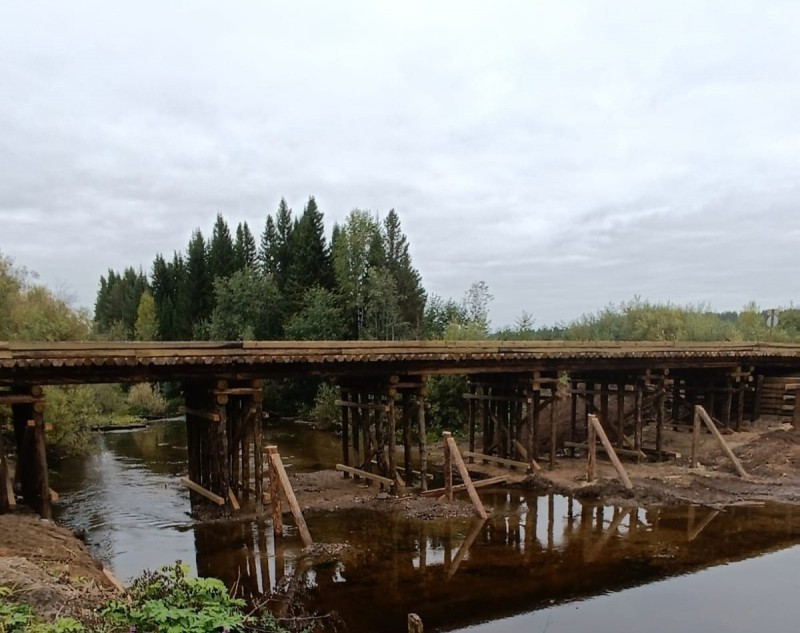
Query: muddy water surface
(540, 563)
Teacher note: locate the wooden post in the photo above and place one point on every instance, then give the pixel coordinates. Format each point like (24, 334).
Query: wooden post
(391, 441)
(4, 501)
(276, 464)
(471, 404)
(621, 414)
(454, 455)
(659, 418)
(553, 401)
(529, 437)
(638, 406)
(610, 451)
(757, 398)
(258, 454)
(486, 438)
(407, 440)
(274, 493)
(355, 435)
(695, 438)
(591, 446)
(604, 392)
(448, 467)
(32, 470)
(573, 417)
(676, 397)
(423, 450)
(727, 403)
(715, 431)
(740, 388)
(345, 434)
(537, 410)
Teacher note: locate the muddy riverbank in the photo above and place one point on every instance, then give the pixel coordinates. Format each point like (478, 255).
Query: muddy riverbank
(49, 568)
(768, 451)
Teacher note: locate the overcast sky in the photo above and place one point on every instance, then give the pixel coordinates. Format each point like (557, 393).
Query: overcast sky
(570, 154)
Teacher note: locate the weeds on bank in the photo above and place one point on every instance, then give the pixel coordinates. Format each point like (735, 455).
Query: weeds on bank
(165, 601)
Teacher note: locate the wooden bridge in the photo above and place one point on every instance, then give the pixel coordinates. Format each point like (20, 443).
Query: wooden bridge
(383, 386)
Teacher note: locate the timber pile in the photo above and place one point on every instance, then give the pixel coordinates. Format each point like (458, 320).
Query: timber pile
(133, 361)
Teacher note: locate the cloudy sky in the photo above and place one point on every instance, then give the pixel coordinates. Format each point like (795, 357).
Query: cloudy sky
(570, 154)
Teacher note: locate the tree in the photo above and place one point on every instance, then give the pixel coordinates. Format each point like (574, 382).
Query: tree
(476, 305)
(310, 264)
(281, 247)
(221, 259)
(244, 249)
(411, 295)
(146, 328)
(199, 284)
(351, 250)
(245, 307)
(382, 316)
(320, 318)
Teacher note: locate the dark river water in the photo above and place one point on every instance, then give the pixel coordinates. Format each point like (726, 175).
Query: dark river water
(541, 563)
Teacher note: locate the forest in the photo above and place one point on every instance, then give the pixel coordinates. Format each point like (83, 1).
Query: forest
(292, 283)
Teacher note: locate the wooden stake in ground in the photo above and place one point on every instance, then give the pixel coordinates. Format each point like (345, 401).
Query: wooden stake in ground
(455, 456)
(448, 467)
(276, 467)
(715, 432)
(274, 493)
(593, 421)
(591, 459)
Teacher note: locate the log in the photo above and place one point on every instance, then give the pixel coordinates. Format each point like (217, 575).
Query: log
(274, 494)
(455, 455)
(188, 483)
(199, 413)
(534, 465)
(364, 474)
(234, 501)
(593, 421)
(277, 464)
(715, 432)
(512, 463)
(480, 483)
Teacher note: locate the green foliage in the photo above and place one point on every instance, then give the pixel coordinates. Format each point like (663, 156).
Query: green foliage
(146, 328)
(245, 307)
(72, 410)
(145, 399)
(18, 617)
(325, 413)
(118, 301)
(320, 318)
(170, 601)
(447, 404)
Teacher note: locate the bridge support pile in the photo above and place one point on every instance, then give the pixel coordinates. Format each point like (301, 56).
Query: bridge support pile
(223, 426)
(510, 409)
(27, 406)
(371, 423)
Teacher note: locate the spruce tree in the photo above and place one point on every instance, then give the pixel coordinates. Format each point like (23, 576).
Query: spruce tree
(244, 249)
(267, 254)
(198, 280)
(310, 264)
(220, 252)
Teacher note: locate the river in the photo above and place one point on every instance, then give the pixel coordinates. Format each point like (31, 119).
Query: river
(541, 562)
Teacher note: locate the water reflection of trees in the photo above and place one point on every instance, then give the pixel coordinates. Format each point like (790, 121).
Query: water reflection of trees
(532, 552)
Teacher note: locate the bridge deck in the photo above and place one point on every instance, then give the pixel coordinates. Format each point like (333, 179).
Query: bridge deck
(53, 363)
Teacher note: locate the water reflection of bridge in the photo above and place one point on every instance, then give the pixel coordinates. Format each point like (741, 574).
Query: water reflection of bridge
(534, 551)
(383, 387)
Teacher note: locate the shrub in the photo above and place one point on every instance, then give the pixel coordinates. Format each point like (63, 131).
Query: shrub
(144, 399)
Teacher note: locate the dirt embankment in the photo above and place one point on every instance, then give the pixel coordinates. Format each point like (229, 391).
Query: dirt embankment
(50, 569)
